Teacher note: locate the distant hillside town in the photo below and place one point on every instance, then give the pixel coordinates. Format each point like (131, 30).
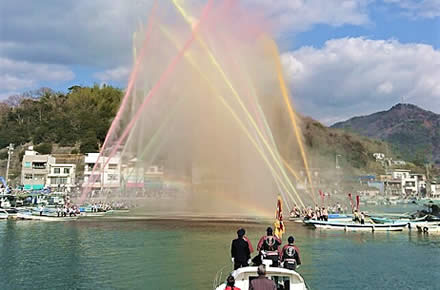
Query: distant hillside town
(70, 173)
(53, 173)
(49, 140)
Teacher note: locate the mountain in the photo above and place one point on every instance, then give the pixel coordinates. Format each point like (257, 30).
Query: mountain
(354, 153)
(413, 132)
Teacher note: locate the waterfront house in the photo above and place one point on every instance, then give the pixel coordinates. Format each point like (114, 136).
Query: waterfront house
(35, 169)
(61, 177)
(107, 173)
(435, 190)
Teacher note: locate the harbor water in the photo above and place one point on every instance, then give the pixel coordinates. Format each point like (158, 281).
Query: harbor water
(155, 254)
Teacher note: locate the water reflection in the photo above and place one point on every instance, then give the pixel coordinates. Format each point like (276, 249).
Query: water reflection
(187, 255)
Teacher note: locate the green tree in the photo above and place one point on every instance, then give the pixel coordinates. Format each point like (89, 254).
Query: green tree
(44, 148)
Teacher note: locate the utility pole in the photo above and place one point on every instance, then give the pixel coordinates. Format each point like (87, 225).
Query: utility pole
(428, 180)
(10, 151)
(336, 161)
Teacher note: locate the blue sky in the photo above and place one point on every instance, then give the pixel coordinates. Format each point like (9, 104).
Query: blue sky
(382, 51)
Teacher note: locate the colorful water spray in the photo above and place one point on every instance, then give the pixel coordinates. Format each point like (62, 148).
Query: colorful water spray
(207, 102)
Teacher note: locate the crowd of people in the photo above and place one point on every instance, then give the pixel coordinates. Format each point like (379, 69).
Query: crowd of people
(317, 213)
(66, 210)
(268, 248)
(321, 213)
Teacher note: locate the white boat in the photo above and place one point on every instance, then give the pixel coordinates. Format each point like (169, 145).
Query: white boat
(283, 278)
(92, 214)
(27, 215)
(428, 228)
(333, 217)
(115, 211)
(414, 225)
(3, 214)
(351, 226)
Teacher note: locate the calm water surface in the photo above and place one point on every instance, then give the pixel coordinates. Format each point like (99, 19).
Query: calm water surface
(103, 254)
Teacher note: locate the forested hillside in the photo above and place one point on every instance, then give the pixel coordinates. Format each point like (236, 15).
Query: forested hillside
(79, 118)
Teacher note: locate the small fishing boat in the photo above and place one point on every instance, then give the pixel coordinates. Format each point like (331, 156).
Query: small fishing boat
(92, 214)
(385, 220)
(423, 221)
(331, 217)
(283, 278)
(3, 214)
(29, 215)
(428, 228)
(351, 226)
(116, 211)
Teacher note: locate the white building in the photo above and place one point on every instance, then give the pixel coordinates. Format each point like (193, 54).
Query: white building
(61, 177)
(35, 169)
(435, 190)
(154, 177)
(400, 174)
(379, 156)
(132, 174)
(412, 184)
(107, 172)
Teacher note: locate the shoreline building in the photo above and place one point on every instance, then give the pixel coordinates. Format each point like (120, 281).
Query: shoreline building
(35, 169)
(435, 190)
(154, 178)
(411, 184)
(61, 177)
(108, 177)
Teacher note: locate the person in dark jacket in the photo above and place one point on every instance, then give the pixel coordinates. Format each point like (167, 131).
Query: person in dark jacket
(290, 255)
(240, 250)
(262, 282)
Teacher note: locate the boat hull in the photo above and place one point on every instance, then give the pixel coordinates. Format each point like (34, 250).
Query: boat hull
(357, 227)
(44, 218)
(429, 228)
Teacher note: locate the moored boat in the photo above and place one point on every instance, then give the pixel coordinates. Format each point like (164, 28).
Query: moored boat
(3, 214)
(92, 214)
(428, 228)
(351, 226)
(29, 215)
(331, 217)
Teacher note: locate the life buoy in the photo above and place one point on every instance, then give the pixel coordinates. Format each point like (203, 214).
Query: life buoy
(425, 229)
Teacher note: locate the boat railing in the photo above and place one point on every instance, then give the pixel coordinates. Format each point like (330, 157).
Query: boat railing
(218, 279)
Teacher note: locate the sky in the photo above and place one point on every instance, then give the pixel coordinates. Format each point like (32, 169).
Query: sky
(342, 58)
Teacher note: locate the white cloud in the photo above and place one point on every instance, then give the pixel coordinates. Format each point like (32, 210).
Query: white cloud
(81, 32)
(99, 32)
(385, 88)
(352, 76)
(299, 15)
(418, 8)
(22, 75)
(118, 74)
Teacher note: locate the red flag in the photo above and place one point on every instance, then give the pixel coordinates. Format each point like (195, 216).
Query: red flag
(357, 202)
(351, 201)
(279, 225)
